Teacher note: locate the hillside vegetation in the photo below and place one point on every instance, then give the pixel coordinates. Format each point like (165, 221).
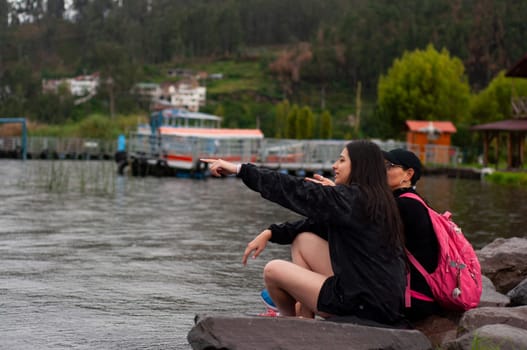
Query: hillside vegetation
(325, 55)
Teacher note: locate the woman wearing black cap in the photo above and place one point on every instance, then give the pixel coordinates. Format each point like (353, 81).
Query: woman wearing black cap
(403, 171)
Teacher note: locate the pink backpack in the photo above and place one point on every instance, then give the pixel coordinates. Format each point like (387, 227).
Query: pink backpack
(456, 282)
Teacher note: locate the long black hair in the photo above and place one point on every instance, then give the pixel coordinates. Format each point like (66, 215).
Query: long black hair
(369, 172)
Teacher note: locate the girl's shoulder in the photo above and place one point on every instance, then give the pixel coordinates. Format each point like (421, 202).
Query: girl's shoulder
(352, 188)
(351, 196)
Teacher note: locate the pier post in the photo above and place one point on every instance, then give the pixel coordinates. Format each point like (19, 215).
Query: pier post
(24, 132)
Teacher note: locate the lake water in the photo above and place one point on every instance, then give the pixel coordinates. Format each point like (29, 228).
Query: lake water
(90, 260)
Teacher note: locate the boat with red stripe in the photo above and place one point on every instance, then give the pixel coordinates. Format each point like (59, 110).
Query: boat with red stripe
(175, 139)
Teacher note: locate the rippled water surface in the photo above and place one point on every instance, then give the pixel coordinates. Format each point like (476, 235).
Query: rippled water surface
(89, 260)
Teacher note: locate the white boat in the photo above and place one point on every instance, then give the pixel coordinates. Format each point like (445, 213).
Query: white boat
(175, 140)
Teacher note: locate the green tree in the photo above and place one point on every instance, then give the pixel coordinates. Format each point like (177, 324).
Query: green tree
(4, 21)
(281, 115)
(4, 16)
(494, 103)
(229, 29)
(304, 124)
(292, 116)
(97, 126)
(19, 88)
(219, 111)
(423, 85)
(288, 66)
(489, 105)
(117, 73)
(55, 8)
(323, 68)
(325, 125)
(56, 107)
(130, 20)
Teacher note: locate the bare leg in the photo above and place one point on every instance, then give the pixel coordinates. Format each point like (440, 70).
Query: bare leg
(311, 252)
(288, 283)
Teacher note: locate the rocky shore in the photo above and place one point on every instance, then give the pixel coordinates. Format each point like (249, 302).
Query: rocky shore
(500, 321)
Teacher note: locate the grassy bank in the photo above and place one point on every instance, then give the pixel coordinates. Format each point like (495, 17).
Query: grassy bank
(96, 126)
(507, 178)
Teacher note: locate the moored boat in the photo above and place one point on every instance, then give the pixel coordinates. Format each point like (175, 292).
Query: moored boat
(175, 139)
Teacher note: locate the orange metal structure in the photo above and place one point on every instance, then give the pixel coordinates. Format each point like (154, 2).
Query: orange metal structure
(423, 132)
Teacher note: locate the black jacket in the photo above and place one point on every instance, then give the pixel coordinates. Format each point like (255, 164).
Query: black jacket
(420, 239)
(369, 280)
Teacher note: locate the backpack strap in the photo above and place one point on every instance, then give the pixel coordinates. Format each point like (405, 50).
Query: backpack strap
(416, 263)
(421, 296)
(416, 197)
(412, 259)
(408, 292)
(410, 256)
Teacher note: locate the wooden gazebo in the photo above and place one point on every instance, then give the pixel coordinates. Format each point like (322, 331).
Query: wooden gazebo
(515, 128)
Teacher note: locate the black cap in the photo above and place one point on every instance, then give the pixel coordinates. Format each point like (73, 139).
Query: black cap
(407, 159)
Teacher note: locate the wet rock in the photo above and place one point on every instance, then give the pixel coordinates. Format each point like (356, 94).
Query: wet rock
(512, 316)
(489, 295)
(495, 336)
(518, 294)
(504, 261)
(246, 332)
(442, 329)
(439, 329)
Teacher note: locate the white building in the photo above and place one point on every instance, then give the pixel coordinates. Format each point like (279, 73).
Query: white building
(82, 85)
(186, 94)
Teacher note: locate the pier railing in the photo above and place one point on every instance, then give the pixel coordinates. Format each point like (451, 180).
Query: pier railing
(58, 148)
(153, 147)
(275, 153)
(319, 155)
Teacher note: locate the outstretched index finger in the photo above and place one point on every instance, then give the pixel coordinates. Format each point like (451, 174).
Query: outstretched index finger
(248, 251)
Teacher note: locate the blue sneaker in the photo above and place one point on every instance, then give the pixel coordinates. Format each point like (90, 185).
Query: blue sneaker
(266, 298)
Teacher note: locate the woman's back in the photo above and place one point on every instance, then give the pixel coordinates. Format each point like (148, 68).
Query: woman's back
(421, 242)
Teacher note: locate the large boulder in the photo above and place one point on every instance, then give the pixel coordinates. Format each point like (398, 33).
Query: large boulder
(489, 295)
(518, 295)
(512, 316)
(504, 261)
(248, 332)
(439, 329)
(495, 336)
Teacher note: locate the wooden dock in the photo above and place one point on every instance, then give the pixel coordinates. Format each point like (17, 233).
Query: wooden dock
(57, 148)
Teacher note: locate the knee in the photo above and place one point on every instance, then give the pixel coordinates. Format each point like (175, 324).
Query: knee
(271, 270)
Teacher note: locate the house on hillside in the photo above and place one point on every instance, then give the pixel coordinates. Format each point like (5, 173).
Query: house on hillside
(184, 94)
(82, 85)
(431, 140)
(187, 94)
